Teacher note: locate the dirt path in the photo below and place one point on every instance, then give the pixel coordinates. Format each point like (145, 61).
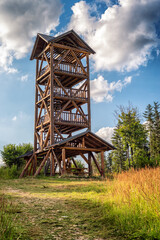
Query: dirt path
(45, 215)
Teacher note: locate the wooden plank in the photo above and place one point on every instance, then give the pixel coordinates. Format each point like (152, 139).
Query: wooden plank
(27, 165)
(42, 163)
(96, 163)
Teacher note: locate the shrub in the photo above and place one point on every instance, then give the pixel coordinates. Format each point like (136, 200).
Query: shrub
(9, 172)
(11, 153)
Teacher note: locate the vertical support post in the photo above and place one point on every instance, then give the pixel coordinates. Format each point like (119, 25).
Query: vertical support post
(89, 165)
(102, 164)
(36, 107)
(88, 86)
(35, 119)
(63, 159)
(52, 165)
(34, 163)
(51, 96)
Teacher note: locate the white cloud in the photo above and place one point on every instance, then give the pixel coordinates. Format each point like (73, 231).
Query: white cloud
(14, 118)
(24, 78)
(123, 36)
(20, 20)
(106, 133)
(102, 90)
(127, 80)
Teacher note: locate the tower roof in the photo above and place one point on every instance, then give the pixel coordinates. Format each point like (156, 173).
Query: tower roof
(70, 38)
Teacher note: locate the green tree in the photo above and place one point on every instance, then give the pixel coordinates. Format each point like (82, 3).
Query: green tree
(152, 116)
(11, 153)
(119, 155)
(130, 140)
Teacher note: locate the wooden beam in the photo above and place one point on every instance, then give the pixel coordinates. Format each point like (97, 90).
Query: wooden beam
(89, 165)
(47, 137)
(60, 84)
(102, 164)
(59, 165)
(51, 96)
(52, 164)
(47, 60)
(64, 107)
(79, 61)
(58, 132)
(83, 149)
(67, 47)
(64, 55)
(27, 165)
(42, 163)
(88, 87)
(96, 163)
(85, 159)
(36, 108)
(63, 159)
(74, 162)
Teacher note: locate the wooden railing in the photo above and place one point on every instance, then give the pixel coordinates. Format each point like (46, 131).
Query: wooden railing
(64, 67)
(72, 92)
(70, 117)
(65, 117)
(70, 68)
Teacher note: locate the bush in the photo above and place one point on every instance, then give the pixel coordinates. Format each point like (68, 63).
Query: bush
(11, 153)
(9, 172)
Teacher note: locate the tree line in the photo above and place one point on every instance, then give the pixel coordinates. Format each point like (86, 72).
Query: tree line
(137, 145)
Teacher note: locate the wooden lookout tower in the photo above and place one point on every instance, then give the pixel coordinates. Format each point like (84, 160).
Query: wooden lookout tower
(62, 127)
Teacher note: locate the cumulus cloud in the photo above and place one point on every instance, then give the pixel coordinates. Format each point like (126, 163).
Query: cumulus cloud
(20, 20)
(24, 78)
(102, 90)
(106, 133)
(14, 118)
(123, 36)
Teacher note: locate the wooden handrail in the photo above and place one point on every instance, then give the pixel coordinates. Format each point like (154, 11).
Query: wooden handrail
(64, 67)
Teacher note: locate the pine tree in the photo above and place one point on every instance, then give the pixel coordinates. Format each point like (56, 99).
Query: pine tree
(130, 140)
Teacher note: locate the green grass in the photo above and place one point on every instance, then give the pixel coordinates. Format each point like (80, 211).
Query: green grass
(127, 207)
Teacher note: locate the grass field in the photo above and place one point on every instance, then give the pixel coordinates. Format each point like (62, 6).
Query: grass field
(127, 207)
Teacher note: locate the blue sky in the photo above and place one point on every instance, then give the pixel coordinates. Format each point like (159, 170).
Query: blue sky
(125, 68)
